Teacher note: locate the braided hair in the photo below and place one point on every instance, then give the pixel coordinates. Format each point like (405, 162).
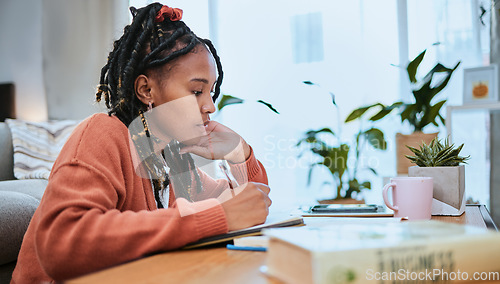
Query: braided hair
(145, 45)
(148, 44)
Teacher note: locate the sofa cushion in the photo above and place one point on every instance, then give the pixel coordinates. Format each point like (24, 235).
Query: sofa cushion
(37, 144)
(15, 214)
(32, 187)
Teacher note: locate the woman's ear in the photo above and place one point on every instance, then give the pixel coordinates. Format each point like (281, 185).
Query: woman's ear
(143, 89)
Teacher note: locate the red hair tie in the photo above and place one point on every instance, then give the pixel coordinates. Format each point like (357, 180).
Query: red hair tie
(174, 14)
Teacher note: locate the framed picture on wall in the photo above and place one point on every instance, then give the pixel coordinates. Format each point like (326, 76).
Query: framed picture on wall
(481, 85)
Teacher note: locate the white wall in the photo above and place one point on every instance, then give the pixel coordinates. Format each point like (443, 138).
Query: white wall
(53, 51)
(21, 55)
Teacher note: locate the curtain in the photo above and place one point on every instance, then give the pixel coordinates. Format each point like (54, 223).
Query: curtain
(76, 39)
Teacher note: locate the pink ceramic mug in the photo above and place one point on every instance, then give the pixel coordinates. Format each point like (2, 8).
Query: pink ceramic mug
(411, 196)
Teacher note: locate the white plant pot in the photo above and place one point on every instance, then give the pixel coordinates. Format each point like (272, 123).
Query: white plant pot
(449, 188)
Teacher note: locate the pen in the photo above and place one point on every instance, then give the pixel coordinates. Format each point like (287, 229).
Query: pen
(233, 247)
(232, 183)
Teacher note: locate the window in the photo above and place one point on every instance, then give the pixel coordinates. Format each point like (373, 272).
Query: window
(307, 37)
(350, 48)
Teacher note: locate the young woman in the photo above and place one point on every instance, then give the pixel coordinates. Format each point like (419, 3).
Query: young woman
(125, 184)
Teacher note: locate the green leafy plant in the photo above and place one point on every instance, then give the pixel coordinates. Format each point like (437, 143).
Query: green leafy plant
(423, 111)
(437, 154)
(334, 155)
(231, 100)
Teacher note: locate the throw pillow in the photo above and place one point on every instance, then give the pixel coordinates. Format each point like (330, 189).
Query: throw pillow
(37, 145)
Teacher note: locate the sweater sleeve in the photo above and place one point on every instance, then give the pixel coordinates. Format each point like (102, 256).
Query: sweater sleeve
(81, 230)
(250, 170)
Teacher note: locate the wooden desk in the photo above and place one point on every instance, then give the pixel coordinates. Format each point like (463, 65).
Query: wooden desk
(475, 215)
(220, 265)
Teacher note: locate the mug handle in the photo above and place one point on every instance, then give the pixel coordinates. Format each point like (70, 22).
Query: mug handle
(386, 199)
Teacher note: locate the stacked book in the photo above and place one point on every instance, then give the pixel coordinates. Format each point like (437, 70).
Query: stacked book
(406, 252)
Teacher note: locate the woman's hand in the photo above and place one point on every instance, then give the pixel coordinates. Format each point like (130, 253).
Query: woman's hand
(220, 143)
(249, 206)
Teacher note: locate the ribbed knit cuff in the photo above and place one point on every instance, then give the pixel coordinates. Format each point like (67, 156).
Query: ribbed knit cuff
(210, 218)
(243, 172)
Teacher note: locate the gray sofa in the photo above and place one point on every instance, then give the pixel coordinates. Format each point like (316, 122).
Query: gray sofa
(18, 201)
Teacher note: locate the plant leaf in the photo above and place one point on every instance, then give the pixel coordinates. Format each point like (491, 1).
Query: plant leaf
(268, 105)
(385, 111)
(381, 114)
(313, 133)
(376, 138)
(423, 95)
(413, 66)
(437, 69)
(354, 186)
(436, 154)
(357, 113)
(310, 137)
(443, 121)
(445, 81)
(366, 184)
(228, 100)
(373, 171)
(324, 130)
(333, 98)
(434, 112)
(408, 109)
(414, 150)
(336, 161)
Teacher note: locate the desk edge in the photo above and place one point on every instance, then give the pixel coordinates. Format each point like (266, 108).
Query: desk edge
(490, 224)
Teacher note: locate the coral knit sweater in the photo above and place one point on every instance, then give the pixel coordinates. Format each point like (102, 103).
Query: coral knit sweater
(97, 213)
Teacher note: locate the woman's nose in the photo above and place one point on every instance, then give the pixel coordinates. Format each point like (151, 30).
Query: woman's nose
(208, 105)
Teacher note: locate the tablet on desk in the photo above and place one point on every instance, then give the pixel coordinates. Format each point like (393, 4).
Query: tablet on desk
(344, 208)
(347, 210)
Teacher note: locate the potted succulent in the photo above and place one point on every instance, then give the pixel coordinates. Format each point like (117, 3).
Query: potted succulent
(443, 163)
(420, 113)
(334, 154)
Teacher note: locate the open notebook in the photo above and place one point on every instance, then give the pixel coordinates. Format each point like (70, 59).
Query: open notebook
(272, 221)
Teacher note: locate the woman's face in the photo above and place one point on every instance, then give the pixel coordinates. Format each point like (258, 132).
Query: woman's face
(182, 97)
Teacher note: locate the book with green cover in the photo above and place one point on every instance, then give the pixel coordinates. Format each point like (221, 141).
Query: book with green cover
(406, 252)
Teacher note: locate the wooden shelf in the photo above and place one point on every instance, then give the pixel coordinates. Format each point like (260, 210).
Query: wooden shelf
(491, 106)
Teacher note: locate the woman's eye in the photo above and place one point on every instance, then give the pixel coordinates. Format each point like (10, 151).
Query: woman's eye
(197, 93)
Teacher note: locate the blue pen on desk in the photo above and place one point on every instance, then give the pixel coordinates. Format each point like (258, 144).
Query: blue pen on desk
(233, 247)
